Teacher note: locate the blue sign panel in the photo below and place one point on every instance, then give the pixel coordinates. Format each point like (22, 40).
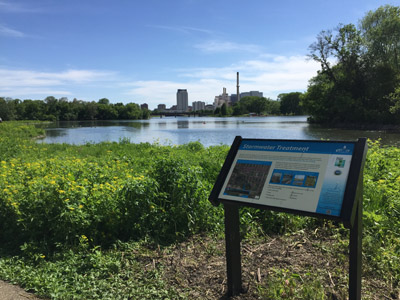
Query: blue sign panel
(309, 176)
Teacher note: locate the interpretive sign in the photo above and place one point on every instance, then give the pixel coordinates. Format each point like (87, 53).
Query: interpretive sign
(306, 177)
(316, 178)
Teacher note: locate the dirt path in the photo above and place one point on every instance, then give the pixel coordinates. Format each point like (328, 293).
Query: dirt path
(13, 292)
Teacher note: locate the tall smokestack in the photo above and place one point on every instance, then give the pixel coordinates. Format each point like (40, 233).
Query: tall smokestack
(237, 87)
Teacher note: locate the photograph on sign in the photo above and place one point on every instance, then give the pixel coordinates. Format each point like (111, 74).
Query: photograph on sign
(306, 176)
(247, 179)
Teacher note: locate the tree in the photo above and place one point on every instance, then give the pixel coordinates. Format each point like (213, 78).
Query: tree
(104, 101)
(4, 114)
(133, 111)
(145, 114)
(33, 110)
(254, 104)
(381, 32)
(61, 109)
(87, 110)
(290, 103)
(7, 109)
(356, 88)
(106, 112)
(273, 107)
(52, 109)
(224, 111)
(237, 109)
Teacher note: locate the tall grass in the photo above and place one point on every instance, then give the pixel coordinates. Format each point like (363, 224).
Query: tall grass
(59, 198)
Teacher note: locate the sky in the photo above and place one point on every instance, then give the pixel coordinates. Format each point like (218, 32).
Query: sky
(143, 51)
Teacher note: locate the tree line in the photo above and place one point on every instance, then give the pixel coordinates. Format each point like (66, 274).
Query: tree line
(359, 80)
(286, 104)
(53, 109)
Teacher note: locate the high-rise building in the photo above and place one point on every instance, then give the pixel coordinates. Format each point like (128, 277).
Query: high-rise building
(234, 98)
(198, 105)
(222, 99)
(182, 100)
(161, 107)
(251, 93)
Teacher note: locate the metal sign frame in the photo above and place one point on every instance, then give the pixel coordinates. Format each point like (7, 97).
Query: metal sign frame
(350, 213)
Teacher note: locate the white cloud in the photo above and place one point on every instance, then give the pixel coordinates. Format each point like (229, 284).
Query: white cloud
(216, 46)
(164, 92)
(32, 92)
(272, 75)
(6, 31)
(27, 82)
(9, 7)
(183, 29)
(23, 78)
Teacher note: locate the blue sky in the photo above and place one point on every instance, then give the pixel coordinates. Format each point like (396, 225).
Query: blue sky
(143, 51)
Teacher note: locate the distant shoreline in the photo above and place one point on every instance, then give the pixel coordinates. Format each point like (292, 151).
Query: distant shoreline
(359, 126)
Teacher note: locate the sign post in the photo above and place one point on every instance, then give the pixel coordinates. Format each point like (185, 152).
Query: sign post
(355, 256)
(232, 241)
(312, 178)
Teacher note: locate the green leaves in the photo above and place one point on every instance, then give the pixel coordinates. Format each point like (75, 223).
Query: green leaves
(65, 210)
(360, 70)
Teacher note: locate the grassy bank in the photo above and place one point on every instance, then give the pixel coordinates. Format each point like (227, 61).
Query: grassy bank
(104, 221)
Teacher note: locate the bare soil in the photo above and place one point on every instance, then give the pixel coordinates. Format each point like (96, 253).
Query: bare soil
(198, 266)
(13, 292)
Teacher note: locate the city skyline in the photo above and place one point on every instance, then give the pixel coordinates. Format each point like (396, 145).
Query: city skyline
(143, 52)
(182, 101)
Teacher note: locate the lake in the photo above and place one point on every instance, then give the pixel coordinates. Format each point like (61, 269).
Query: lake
(207, 130)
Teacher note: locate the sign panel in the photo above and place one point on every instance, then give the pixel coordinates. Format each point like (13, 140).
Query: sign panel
(317, 178)
(308, 176)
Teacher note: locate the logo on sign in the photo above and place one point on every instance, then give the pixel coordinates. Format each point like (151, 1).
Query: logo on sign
(343, 150)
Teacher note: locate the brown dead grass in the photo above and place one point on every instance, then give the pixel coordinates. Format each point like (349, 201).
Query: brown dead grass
(197, 267)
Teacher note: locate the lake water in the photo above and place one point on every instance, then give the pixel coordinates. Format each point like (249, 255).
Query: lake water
(208, 130)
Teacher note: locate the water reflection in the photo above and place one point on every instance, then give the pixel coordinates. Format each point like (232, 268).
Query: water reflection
(134, 125)
(222, 123)
(56, 132)
(209, 131)
(183, 124)
(318, 132)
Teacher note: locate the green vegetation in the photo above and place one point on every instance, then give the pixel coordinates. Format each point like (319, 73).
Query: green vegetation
(258, 105)
(81, 222)
(52, 109)
(290, 103)
(360, 77)
(247, 105)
